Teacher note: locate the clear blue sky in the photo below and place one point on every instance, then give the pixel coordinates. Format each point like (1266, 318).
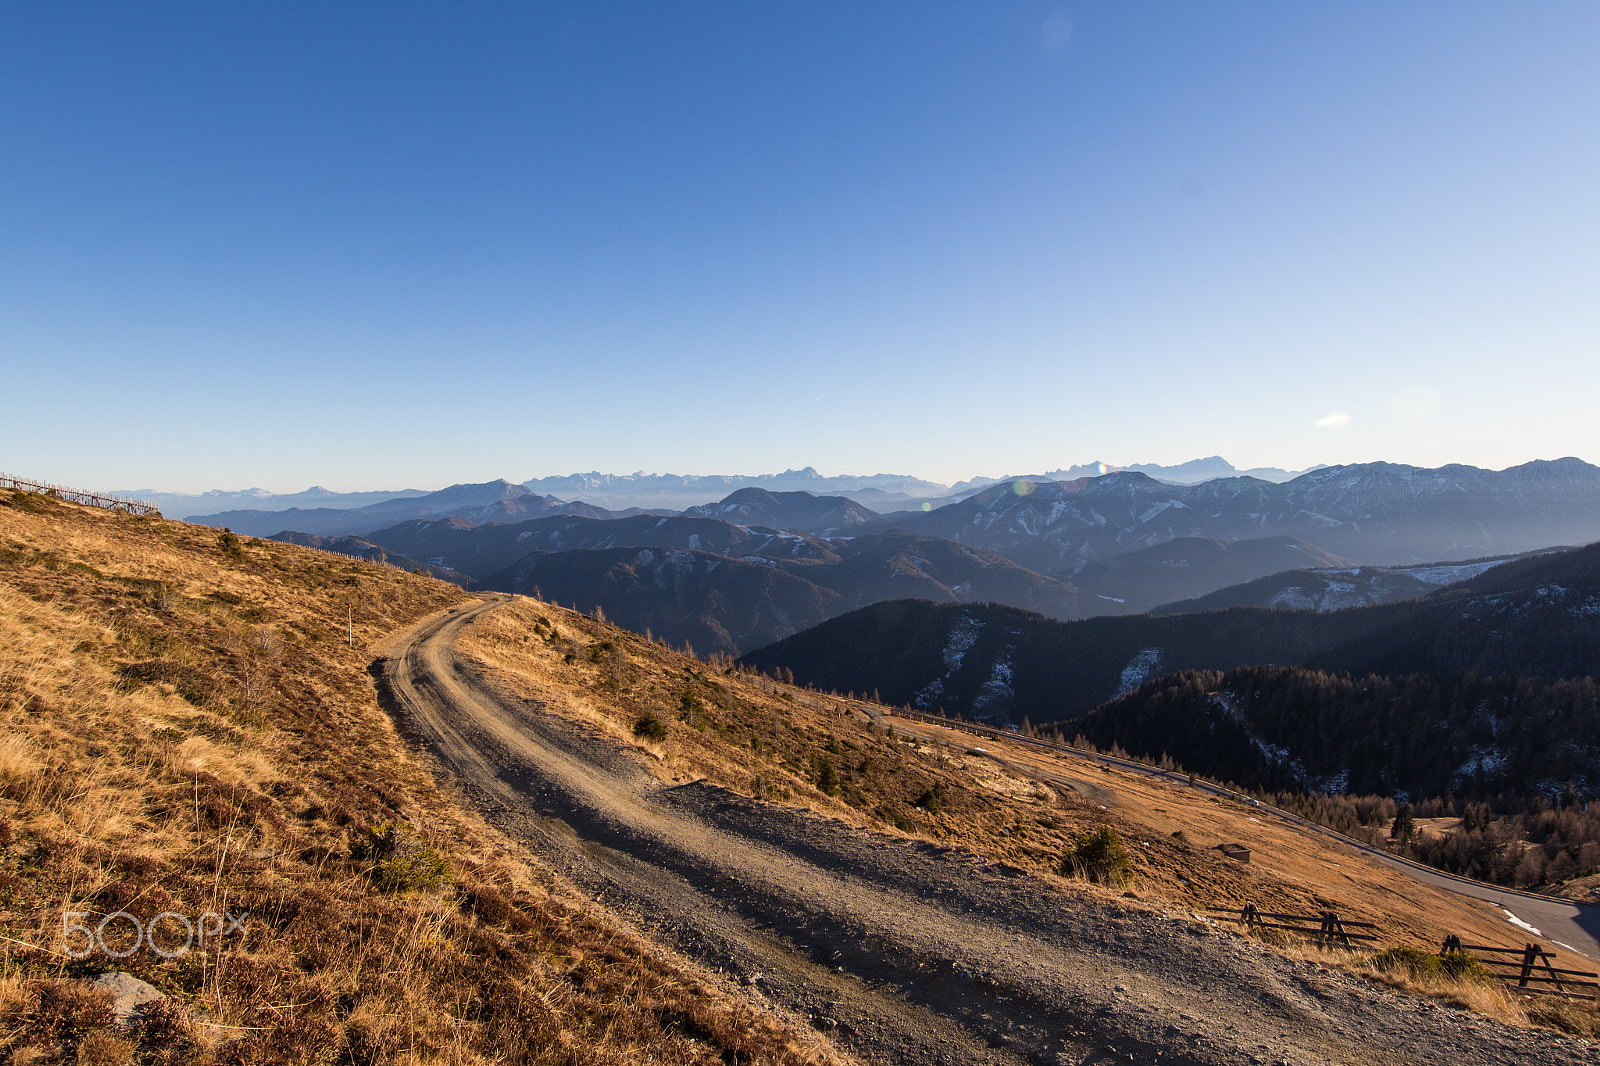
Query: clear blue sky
(384, 245)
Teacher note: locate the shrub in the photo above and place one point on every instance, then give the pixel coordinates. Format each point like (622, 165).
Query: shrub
(827, 776)
(1099, 856)
(689, 705)
(933, 799)
(1431, 969)
(228, 541)
(401, 860)
(649, 727)
(1459, 966)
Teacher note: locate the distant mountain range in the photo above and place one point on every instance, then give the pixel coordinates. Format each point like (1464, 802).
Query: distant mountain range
(1336, 589)
(799, 511)
(185, 505)
(1191, 473)
(1120, 543)
(680, 491)
(1139, 580)
(1375, 513)
(677, 492)
(1531, 617)
(719, 585)
(494, 501)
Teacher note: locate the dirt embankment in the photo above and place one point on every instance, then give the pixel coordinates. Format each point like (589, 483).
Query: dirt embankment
(904, 951)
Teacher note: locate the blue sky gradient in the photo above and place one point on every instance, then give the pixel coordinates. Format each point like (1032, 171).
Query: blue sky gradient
(384, 245)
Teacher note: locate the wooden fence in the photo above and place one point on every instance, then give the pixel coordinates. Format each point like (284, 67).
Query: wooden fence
(1528, 969)
(1326, 928)
(91, 499)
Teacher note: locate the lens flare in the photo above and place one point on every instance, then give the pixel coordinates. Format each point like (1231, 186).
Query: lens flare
(1022, 487)
(927, 505)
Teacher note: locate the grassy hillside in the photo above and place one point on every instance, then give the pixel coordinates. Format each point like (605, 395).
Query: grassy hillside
(765, 738)
(186, 729)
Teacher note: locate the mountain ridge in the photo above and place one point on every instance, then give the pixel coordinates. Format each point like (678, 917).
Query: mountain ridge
(1527, 617)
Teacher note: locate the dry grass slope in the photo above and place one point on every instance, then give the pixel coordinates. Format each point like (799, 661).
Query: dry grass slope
(183, 728)
(773, 741)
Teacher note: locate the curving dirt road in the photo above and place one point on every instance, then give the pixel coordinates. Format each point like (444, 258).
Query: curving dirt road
(906, 953)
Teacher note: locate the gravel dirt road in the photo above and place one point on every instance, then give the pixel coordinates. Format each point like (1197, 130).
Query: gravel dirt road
(902, 951)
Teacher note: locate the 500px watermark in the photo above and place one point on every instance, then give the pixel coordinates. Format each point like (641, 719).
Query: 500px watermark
(160, 934)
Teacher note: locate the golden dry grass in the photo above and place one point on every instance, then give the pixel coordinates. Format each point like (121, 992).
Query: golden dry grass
(184, 728)
(765, 739)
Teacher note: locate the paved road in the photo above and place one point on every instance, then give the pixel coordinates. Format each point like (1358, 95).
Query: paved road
(1572, 926)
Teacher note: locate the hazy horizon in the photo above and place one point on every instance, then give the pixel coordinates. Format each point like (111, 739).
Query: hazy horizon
(336, 488)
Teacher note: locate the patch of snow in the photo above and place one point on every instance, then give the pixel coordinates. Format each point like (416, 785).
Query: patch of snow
(996, 690)
(1333, 785)
(647, 557)
(1448, 575)
(694, 541)
(1138, 670)
(1113, 599)
(1294, 598)
(1156, 510)
(1519, 923)
(1271, 752)
(963, 635)
(1487, 762)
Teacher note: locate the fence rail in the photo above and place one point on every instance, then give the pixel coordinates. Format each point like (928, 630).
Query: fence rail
(91, 499)
(1325, 928)
(1529, 969)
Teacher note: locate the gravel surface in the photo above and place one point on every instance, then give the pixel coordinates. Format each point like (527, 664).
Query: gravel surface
(902, 951)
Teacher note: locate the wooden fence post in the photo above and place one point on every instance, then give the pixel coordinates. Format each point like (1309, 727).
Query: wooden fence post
(1530, 958)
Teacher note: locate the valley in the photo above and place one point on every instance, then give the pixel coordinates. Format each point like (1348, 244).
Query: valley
(1118, 543)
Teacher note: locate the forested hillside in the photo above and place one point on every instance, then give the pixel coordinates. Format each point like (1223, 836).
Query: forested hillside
(1532, 618)
(1418, 734)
